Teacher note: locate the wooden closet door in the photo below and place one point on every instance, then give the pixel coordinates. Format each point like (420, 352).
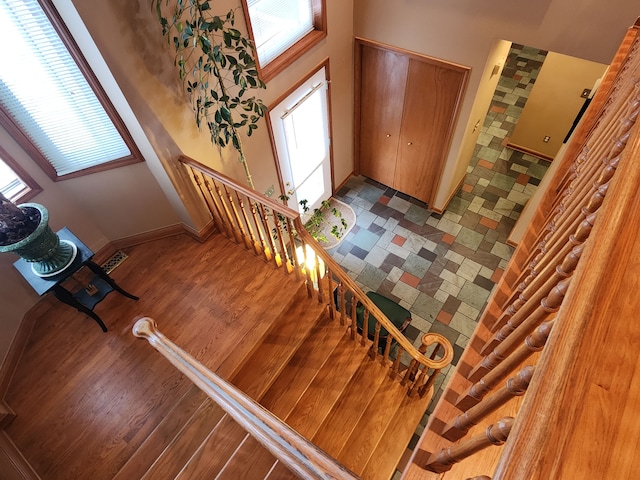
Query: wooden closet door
(383, 76)
(430, 106)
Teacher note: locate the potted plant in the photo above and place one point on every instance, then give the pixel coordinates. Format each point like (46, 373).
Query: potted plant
(24, 229)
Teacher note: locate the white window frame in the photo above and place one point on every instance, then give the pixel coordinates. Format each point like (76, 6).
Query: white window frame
(23, 188)
(293, 47)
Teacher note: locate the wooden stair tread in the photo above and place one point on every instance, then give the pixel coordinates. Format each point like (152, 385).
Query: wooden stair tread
(394, 441)
(281, 472)
(272, 354)
(326, 388)
(215, 451)
(372, 425)
(160, 438)
(251, 461)
(286, 390)
(349, 408)
(180, 450)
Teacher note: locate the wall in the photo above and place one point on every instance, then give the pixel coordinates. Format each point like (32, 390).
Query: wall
(464, 31)
(128, 36)
(554, 102)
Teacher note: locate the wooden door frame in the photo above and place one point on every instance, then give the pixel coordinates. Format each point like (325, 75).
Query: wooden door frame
(282, 97)
(363, 42)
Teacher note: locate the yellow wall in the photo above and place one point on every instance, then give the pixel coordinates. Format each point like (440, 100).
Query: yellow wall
(554, 102)
(464, 31)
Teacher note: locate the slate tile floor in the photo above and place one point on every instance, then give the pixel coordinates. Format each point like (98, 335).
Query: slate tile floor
(443, 267)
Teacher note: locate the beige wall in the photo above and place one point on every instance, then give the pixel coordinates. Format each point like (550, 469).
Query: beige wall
(554, 102)
(463, 31)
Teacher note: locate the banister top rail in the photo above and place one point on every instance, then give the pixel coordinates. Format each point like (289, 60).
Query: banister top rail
(372, 307)
(252, 194)
(288, 446)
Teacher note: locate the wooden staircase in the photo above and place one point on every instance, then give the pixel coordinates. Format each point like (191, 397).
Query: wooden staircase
(308, 372)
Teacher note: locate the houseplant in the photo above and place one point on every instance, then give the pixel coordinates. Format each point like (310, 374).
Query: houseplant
(24, 229)
(216, 65)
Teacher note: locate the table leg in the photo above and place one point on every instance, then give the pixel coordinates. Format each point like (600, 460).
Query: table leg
(66, 297)
(95, 268)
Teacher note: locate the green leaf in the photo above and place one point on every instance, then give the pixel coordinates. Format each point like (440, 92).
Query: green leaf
(226, 114)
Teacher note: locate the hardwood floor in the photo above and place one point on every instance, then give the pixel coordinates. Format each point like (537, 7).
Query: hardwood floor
(86, 400)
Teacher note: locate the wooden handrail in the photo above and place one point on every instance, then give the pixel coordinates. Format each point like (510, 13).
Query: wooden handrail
(287, 445)
(252, 194)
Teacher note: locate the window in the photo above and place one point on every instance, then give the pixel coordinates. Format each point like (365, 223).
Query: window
(283, 30)
(15, 183)
(300, 126)
(50, 101)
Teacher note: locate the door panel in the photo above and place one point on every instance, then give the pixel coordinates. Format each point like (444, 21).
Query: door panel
(383, 79)
(300, 125)
(430, 106)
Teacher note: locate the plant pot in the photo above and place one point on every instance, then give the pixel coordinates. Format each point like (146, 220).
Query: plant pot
(43, 248)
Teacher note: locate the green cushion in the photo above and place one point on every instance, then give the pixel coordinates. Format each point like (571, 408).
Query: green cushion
(394, 312)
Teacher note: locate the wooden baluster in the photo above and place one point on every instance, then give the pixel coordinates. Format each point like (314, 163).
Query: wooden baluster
(317, 268)
(365, 327)
(307, 270)
(238, 223)
(533, 343)
(354, 316)
(343, 305)
(292, 243)
(549, 304)
(373, 353)
(245, 217)
(207, 199)
(224, 221)
(266, 252)
(227, 213)
(530, 296)
(282, 253)
(387, 350)
(495, 434)
(594, 203)
(269, 233)
(394, 371)
(447, 351)
(332, 302)
(579, 237)
(419, 375)
(515, 386)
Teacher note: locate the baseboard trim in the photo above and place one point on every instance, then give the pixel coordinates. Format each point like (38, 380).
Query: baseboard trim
(440, 211)
(12, 461)
(529, 151)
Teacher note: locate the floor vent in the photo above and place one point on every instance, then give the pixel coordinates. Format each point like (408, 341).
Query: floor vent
(117, 258)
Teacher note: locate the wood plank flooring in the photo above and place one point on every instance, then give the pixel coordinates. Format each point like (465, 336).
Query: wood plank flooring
(86, 400)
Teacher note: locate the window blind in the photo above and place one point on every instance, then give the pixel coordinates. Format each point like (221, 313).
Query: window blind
(47, 95)
(278, 24)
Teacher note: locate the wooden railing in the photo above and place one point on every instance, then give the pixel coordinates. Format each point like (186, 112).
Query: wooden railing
(288, 446)
(275, 232)
(537, 342)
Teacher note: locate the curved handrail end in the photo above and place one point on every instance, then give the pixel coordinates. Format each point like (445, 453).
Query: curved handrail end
(145, 327)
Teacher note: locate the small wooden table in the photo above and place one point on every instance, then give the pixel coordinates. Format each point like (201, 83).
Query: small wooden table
(80, 300)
